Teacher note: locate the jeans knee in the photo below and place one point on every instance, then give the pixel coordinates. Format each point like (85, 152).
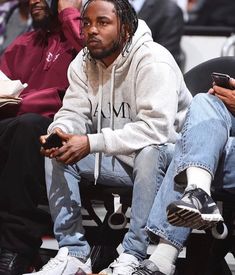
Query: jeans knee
(150, 161)
(202, 99)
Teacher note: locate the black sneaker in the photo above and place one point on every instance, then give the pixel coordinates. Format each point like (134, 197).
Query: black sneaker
(196, 210)
(12, 263)
(147, 267)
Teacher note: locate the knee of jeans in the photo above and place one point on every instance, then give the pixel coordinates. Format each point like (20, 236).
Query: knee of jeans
(146, 155)
(150, 160)
(202, 98)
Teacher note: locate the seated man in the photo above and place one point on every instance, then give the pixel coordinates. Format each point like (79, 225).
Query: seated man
(39, 58)
(125, 105)
(204, 152)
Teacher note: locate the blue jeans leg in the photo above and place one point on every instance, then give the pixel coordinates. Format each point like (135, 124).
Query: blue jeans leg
(65, 201)
(225, 174)
(204, 136)
(65, 206)
(157, 225)
(149, 170)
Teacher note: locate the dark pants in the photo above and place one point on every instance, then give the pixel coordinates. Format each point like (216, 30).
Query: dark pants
(22, 182)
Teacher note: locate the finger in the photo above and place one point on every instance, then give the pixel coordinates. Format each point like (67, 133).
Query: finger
(211, 91)
(232, 82)
(222, 98)
(63, 135)
(43, 138)
(221, 91)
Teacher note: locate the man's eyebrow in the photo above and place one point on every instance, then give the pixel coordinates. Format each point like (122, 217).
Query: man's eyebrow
(98, 17)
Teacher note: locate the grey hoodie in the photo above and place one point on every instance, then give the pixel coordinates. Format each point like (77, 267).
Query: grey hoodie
(139, 100)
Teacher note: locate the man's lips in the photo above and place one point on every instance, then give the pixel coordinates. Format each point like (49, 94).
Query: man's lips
(36, 10)
(93, 41)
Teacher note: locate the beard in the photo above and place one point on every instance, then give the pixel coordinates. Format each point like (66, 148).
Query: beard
(116, 47)
(42, 24)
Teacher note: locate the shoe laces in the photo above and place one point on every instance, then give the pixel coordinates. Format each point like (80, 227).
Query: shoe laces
(142, 270)
(53, 262)
(194, 197)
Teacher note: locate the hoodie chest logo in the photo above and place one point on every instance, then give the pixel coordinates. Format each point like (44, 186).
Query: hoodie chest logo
(121, 111)
(52, 57)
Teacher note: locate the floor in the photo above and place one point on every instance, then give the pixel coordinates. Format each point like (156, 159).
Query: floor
(49, 243)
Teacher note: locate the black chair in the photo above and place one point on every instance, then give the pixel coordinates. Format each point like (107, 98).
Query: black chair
(210, 260)
(198, 79)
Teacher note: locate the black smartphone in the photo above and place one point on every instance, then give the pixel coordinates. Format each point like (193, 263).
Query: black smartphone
(52, 141)
(221, 80)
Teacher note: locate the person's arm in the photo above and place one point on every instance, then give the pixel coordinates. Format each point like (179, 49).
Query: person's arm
(69, 16)
(75, 114)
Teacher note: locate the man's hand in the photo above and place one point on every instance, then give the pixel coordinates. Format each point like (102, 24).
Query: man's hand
(49, 152)
(226, 95)
(74, 149)
(63, 4)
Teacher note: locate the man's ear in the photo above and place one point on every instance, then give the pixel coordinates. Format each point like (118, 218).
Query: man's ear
(125, 33)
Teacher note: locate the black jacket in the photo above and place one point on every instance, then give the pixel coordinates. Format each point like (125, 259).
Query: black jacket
(165, 19)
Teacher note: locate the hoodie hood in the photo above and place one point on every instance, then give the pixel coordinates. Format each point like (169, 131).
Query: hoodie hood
(142, 35)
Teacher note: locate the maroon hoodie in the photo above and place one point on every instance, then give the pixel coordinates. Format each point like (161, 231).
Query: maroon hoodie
(41, 60)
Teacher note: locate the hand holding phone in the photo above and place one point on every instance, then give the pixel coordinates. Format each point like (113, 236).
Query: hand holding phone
(222, 80)
(53, 141)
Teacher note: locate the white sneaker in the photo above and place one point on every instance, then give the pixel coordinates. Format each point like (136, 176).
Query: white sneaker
(63, 264)
(125, 264)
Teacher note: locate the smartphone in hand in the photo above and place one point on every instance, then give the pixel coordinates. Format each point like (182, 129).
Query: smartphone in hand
(52, 141)
(222, 80)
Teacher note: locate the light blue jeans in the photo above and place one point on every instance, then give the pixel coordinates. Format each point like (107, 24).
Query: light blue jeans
(65, 203)
(206, 141)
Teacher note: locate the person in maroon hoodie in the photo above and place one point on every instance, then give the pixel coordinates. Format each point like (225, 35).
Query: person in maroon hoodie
(39, 58)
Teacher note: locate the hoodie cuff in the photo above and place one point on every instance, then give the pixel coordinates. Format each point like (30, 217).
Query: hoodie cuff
(96, 143)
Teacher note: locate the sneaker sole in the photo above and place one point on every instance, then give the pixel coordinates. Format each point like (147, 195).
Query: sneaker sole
(179, 215)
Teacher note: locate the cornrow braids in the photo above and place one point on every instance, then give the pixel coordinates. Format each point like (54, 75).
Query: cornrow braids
(127, 16)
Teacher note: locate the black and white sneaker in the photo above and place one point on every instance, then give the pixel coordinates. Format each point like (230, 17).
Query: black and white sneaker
(196, 210)
(147, 267)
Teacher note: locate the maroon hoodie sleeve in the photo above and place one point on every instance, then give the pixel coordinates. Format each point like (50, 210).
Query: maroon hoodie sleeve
(71, 26)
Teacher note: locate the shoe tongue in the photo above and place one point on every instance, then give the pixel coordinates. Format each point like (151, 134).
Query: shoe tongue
(62, 253)
(190, 187)
(150, 265)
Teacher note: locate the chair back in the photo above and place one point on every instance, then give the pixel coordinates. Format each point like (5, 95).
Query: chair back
(199, 80)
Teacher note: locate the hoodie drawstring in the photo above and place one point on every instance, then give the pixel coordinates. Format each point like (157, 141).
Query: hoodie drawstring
(112, 96)
(98, 155)
(100, 94)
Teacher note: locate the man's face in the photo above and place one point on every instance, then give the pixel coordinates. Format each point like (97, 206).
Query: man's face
(39, 11)
(101, 28)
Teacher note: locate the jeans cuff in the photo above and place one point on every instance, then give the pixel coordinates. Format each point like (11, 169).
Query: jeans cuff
(158, 233)
(78, 255)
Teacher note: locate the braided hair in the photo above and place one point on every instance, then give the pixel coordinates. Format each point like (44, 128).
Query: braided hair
(127, 16)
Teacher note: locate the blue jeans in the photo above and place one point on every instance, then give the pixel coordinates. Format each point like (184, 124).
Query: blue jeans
(65, 203)
(206, 141)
